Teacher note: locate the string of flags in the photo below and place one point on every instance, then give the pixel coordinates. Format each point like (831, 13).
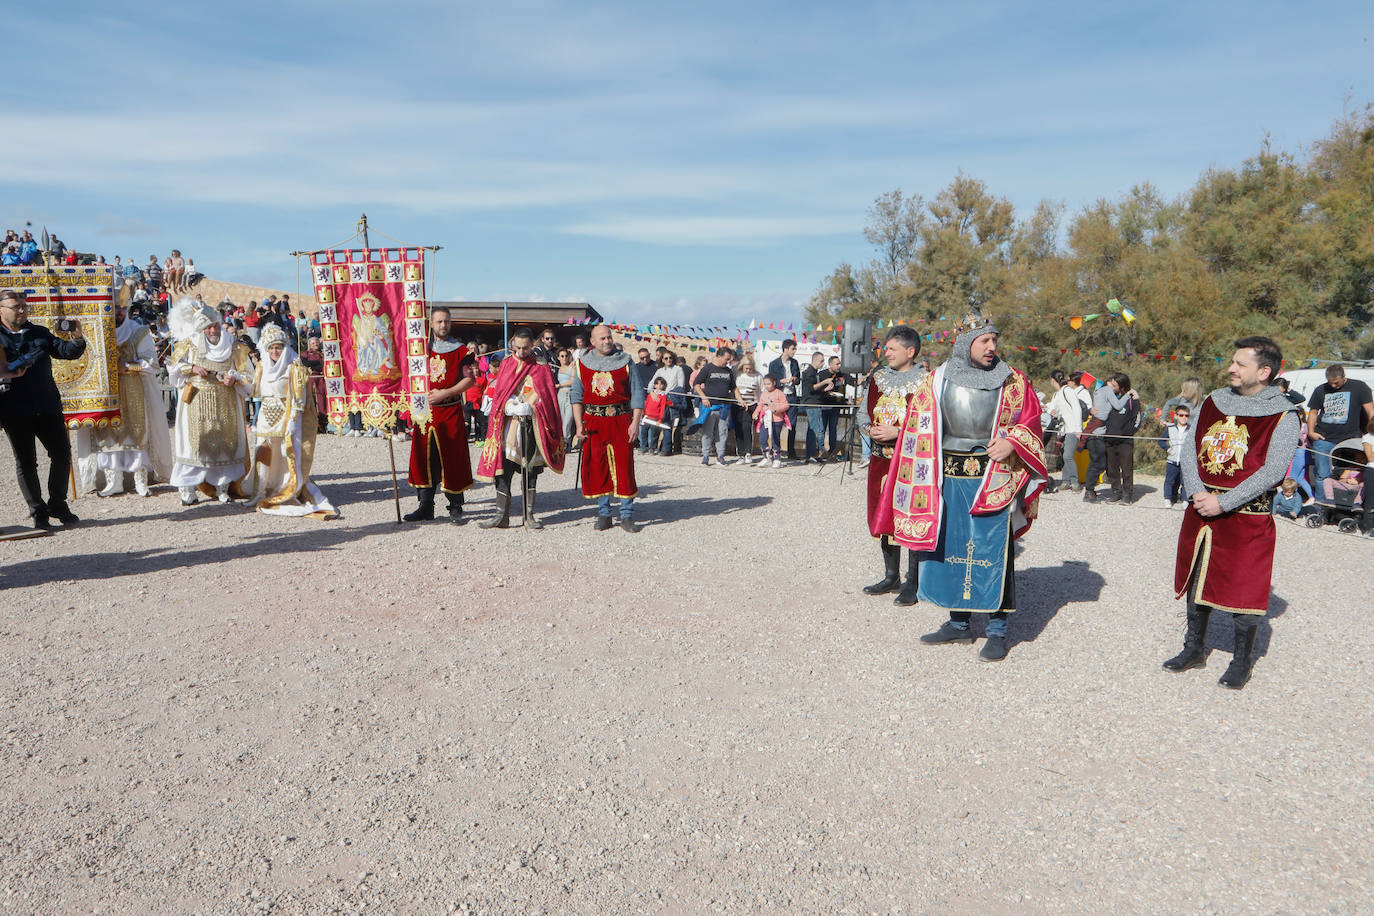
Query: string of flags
(1113, 306)
(713, 336)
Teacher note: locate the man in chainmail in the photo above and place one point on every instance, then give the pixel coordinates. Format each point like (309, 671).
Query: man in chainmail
(972, 460)
(607, 406)
(1237, 451)
(881, 409)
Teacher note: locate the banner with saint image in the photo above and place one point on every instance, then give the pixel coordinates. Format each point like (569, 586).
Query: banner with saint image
(89, 385)
(375, 332)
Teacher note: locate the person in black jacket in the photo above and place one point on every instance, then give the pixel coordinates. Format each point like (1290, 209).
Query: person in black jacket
(32, 407)
(788, 374)
(1121, 424)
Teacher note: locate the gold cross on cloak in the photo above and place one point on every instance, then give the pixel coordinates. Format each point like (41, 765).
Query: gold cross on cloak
(968, 562)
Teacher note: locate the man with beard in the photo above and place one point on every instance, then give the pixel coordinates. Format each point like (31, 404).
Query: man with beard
(607, 406)
(442, 442)
(525, 430)
(968, 477)
(1237, 451)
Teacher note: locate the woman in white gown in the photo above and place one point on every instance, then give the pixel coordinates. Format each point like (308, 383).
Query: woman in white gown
(285, 432)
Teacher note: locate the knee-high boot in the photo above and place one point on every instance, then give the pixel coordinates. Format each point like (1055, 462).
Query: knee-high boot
(892, 569)
(502, 519)
(1194, 654)
(530, 520)
(425, 511)
(907, 596)
(1238, 672)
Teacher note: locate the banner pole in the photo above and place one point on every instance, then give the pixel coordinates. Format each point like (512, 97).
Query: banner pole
(395, 486)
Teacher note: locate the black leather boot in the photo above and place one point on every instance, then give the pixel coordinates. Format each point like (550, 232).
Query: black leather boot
(1194, 654)
(502, 519)
(425, 511)
(907, 596)
(1238, 672)
(892, 569)
(455, 509)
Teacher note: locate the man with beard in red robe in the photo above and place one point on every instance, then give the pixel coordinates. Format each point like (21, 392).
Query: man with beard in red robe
(442, 441)
(525, 430)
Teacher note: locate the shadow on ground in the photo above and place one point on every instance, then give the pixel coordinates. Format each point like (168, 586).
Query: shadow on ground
(111, 565)
(1043, 590)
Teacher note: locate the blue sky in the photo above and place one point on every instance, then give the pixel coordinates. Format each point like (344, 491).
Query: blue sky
(704, 163)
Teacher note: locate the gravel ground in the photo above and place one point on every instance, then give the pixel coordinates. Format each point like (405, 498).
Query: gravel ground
(214, 711)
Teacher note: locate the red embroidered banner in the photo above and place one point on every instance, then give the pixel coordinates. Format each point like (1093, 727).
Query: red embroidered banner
(90, 385)
(375, 332)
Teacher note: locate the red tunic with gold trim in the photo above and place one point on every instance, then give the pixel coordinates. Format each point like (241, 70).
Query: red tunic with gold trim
(888, 394)
(445, 429)
(608, 461)
(1233, 553)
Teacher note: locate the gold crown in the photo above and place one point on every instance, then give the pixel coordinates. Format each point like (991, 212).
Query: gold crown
(973, 321)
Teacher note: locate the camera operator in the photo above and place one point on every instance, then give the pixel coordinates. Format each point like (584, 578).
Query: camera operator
(32, 408)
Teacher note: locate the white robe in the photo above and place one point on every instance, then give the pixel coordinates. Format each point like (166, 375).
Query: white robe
(282, 485)
(189, 469)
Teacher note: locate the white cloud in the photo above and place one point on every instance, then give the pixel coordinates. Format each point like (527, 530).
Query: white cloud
(717, 230)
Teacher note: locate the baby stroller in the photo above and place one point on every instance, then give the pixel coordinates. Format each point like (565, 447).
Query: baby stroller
(1341, 496)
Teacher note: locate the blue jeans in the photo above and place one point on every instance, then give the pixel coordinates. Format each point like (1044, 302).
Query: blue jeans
(1173, 481)
(1321, 458)
(815, 431)
(997, 621)
(603, 506)
(867, 444)
(644, 437)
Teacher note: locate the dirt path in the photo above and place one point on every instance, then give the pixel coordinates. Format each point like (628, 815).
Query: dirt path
(213, 711)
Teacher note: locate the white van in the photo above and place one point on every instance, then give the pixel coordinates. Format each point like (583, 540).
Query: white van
(1305, 381)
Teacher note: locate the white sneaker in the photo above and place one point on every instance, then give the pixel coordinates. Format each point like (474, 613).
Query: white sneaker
(189, 496)
(864, 463)
(777, 462)
(222, 493)
(141, 483)
(115, 486)
(1168, 503)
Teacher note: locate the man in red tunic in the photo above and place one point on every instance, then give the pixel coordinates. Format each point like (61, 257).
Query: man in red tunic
(524, 431)
(442, 442)
(1237, 451)
(607, 407)
(882, 409)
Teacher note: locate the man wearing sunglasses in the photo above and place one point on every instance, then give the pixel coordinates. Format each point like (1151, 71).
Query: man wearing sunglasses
(32, 407)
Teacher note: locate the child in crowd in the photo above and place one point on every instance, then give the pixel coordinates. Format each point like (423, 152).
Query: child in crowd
(769, 420)
(1172, 442)
(655, 408)
(1348, 482)
(1288, 501)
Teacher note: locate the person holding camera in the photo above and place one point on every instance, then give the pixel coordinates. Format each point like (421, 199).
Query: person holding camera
(31, 408)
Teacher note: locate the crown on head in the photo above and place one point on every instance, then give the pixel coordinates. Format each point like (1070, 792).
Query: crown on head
(973, 321)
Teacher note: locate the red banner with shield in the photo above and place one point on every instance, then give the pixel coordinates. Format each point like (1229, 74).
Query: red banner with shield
(375, 334)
